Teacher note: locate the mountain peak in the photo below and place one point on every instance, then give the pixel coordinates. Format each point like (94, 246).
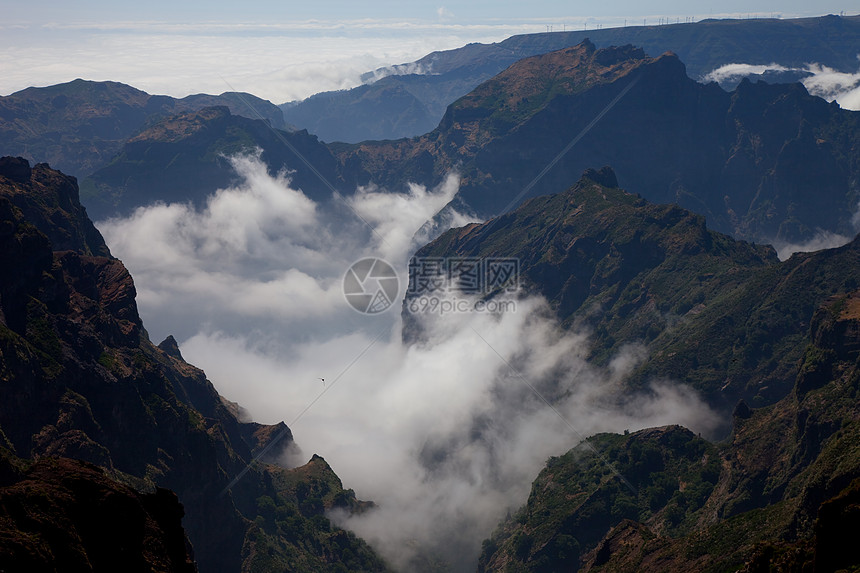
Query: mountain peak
(605, 176)
(569, 70)
(170, 347)
(531, 86)
(597, 246)
(183, 125)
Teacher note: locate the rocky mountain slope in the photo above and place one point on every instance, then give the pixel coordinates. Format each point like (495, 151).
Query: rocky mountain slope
(412, 100)
(80, 379)
(764, 162)
(773, 345)
(79, 126)
(723, 316)
(781, 495)
(596, 246)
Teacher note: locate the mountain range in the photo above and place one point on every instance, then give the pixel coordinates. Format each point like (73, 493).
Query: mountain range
(185, 157)
(410, 99)
(80, 125)
(636, 201)
(745, 159)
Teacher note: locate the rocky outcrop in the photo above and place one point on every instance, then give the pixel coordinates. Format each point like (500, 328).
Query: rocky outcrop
(50, 200)
(80, 378)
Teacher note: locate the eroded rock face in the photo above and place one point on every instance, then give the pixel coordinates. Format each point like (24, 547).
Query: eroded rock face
(50, 200)
(68, 514)
(79, 378)
(16, 169)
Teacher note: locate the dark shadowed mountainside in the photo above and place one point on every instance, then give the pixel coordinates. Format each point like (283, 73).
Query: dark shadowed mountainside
(80, 379)
(186, 158)
(63, 514)
(78, 126)
(763, 162)
(411, 104)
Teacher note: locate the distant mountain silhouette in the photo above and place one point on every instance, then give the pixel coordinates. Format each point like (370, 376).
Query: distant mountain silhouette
(411, 104)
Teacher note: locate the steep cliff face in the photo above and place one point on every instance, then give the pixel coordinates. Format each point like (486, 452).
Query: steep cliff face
(50, 200)
(763, 162)
(80, 379)
(777, 496)
(63, 514)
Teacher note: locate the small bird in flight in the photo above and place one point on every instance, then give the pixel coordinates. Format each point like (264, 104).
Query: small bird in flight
(323, 381)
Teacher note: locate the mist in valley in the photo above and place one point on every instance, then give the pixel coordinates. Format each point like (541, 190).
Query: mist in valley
(446, 434)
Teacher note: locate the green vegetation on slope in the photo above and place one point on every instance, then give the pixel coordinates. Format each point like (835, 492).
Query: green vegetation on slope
(779, 495)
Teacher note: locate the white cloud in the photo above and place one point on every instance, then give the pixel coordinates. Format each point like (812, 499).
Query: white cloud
(263, 251)
(819, 80)
(734, 72)
(822, 240)
(397, 217)
(279, 62)
(834, 85)
(443, 435)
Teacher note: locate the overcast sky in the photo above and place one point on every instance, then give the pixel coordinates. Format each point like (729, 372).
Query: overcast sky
(289, 50)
